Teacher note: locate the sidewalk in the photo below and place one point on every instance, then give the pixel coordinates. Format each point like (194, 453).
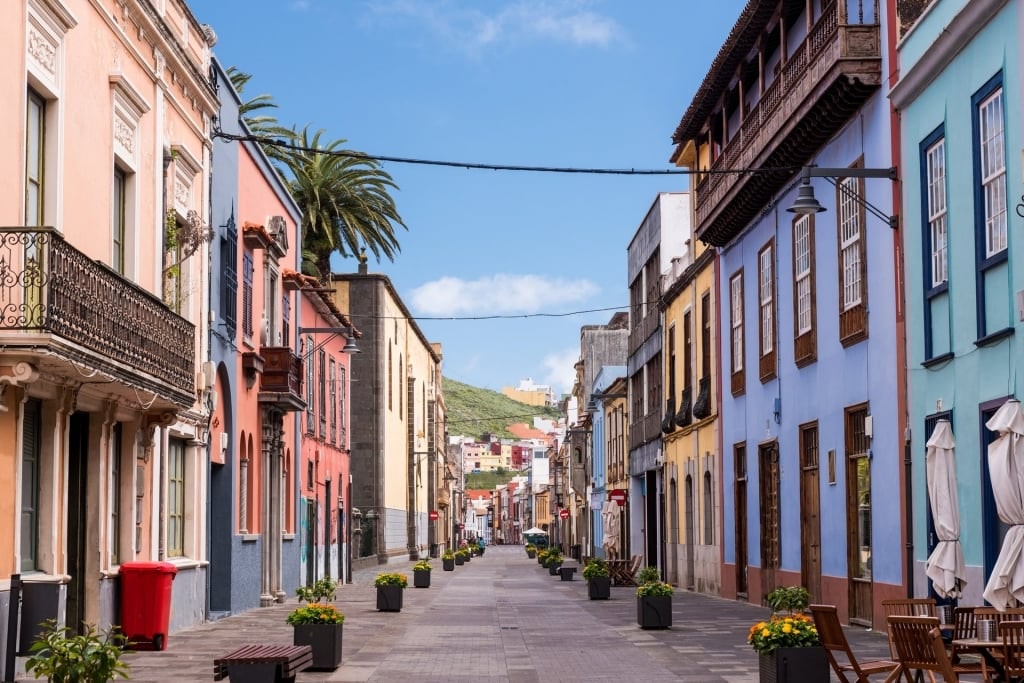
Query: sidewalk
(499, 618)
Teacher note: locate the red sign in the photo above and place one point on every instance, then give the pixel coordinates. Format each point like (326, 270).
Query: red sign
(618, 495)
(461, 526)
(564, 513)
(433, 514)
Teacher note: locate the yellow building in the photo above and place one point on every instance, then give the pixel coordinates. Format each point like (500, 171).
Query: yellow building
(689, 430)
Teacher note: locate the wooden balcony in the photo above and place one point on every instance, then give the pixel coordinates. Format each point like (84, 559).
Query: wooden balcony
(62, 309)
(281, 381)
(825, 81)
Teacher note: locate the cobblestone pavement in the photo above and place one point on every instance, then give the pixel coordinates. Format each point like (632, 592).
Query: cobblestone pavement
(499, 618)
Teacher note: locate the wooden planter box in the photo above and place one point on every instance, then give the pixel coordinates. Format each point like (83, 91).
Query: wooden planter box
(389, 598)
(325, 640)
(448, 565)
(599, 588)
(792, 664)
(655, 611)
(421, 579)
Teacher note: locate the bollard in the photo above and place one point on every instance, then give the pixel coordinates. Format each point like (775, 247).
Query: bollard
(13, 620)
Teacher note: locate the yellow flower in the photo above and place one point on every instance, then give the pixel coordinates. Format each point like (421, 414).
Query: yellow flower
(787, 628)
(765, 633)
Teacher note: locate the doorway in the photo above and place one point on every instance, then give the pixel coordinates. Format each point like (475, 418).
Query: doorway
(771, 541)
(311, 523)
(78, 518)
(858, 515)
(739, 457)
(810, 512)
(691, 534)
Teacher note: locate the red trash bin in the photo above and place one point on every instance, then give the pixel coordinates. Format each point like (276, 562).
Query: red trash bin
(146, 603)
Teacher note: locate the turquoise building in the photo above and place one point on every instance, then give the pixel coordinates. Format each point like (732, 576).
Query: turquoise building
(958, 99)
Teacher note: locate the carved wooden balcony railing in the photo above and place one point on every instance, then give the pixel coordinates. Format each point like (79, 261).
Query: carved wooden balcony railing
(824, 82)
(281, 381)
(56, 300)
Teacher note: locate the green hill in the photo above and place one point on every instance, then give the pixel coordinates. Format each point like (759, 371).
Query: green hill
(473, 411)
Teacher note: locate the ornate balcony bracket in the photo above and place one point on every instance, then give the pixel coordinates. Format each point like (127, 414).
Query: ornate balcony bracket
(150, 422)
(252, 366)
(18, 374)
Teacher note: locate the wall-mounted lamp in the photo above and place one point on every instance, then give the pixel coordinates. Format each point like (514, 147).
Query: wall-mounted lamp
(598, 396)
(807, 204)
(348, 331)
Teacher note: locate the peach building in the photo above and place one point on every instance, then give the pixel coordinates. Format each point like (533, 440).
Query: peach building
(105, 278)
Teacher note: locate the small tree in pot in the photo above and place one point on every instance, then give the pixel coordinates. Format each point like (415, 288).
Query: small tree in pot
(92, 657)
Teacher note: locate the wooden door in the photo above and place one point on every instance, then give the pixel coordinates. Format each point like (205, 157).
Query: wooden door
(810, 512)
(740, 517)
(771, 537)
(858, 515)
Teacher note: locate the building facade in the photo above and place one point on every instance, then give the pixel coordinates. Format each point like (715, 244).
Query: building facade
(102, 428)
(959, 100)
(811, 417)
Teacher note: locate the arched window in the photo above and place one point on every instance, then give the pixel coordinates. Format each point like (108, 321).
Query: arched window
(709, 511)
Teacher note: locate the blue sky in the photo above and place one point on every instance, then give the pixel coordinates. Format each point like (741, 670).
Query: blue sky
(566, 83)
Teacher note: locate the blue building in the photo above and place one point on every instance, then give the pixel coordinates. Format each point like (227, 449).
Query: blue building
(959, 101)
(601, 444)
(812, 440)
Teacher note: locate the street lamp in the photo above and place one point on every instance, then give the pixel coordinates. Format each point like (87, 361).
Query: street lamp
(348, 330)
(598, 396)
(807, 204)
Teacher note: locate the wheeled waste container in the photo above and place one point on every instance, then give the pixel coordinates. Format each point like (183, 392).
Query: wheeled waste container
(146, 603)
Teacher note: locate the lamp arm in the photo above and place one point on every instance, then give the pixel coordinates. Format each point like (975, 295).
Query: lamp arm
(892, 221)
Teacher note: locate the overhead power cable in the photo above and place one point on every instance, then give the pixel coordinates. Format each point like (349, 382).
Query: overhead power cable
(284, 144)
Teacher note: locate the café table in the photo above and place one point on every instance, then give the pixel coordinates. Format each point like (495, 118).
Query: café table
(985, 648)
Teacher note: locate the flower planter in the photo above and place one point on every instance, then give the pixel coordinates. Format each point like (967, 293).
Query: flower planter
(325, 639)
(566, 573)
(421, 579)
(459, 559)
(448, 565)
(792, 664)
(599, 588)
(389, 598)
(655, 611)
(531, 554)
(553, 568)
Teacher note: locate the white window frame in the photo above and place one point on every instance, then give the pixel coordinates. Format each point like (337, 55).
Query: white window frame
(850, 236)
(766, 299)
(736, 320)
(992, 146)
(935, 180)
(802, 274)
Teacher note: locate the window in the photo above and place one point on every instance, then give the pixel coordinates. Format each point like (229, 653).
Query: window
(30, 452)
(736, 332)
(853, 268)
(247, 274)
(709, 511)
(334, 401)
(805, 344)
(271, 304)
(342, 385)
(175, 498)
(993, 280)
(935, 181)
(766, 309)
(35, 153)
(992, 152)
(687, 351)
(322, 385)
(118, 227)
(705, 336)
(310, 402)
(229, 270)
(391, 379)
(286, 319)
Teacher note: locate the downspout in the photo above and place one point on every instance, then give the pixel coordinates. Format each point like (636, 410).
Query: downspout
(161, 501)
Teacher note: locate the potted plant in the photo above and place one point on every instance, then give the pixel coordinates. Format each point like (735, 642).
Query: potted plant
(421, 574)
(390, 587)
(554, 561)
(599, 581)
(92, 657)
(322, 590)
(460, 556)
(531, 550)
(448, 561)
(319, 625)
(542, 557)
(653, 600)
(787, 643)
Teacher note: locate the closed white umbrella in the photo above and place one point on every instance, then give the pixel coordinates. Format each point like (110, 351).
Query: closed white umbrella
(945, 566)
(1005, 586)
(610, 518)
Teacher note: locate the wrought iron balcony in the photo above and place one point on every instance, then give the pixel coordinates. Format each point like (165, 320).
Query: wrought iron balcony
(58, 302)
(823, 83)
(281, 381)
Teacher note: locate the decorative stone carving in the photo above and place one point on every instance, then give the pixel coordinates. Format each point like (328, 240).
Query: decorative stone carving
(124, 135)
(43, 51)
(17, 374)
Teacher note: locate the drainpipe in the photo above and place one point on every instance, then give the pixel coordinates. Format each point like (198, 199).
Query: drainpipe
(161, 549)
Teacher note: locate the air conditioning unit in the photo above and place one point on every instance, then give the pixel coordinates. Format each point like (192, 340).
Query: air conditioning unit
(223, 442)
(659, 460)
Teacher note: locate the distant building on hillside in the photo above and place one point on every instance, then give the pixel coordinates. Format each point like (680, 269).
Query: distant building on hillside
(531, 394)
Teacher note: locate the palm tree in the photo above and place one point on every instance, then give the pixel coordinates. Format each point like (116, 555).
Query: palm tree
(344, 197)
(263, 125)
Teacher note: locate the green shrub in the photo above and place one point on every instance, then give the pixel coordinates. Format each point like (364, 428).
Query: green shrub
(595, 567)
(422, 566)
(322, 590)
(316, 613)
(648, 575)
(391, 579)
(92, 657)
(653, 589)
(792, 599)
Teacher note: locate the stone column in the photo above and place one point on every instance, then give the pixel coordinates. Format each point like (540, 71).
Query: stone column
(267, 596)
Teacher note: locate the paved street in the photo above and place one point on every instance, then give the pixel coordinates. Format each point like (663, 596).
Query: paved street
(499, 618)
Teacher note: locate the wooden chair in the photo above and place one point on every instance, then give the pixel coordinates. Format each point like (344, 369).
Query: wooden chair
(1011, 632)
(833, 639)
(919, 647)
(907, 607)
(963, 627)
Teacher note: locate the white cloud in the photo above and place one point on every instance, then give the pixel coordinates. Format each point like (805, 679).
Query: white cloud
(560, 370)
(560, 21)
(499, 295)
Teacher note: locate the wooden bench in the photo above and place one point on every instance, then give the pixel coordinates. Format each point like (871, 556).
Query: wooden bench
(258, 663)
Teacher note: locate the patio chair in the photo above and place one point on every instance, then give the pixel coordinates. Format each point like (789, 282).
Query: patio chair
(907, 607)
(963, 627)
(919, 647)
(833, 639)
(1011, 632)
